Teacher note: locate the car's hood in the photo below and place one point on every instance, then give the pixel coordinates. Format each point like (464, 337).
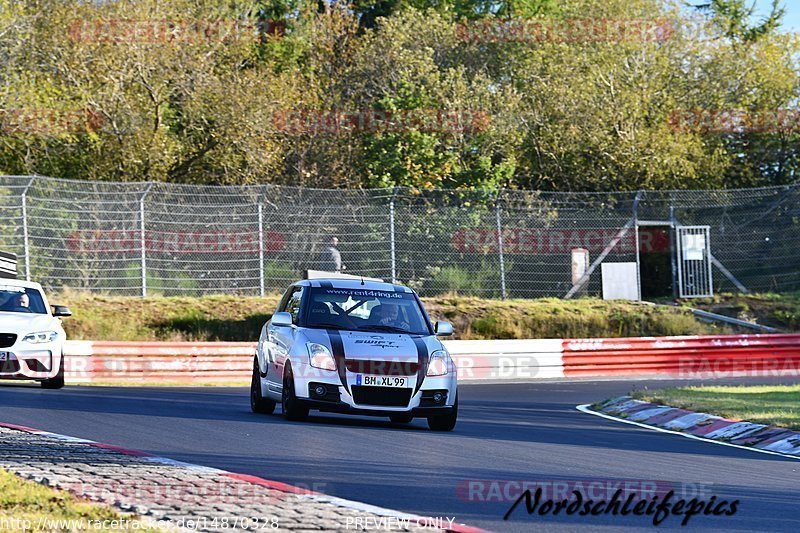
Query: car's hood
(376, 346)
(22, 323)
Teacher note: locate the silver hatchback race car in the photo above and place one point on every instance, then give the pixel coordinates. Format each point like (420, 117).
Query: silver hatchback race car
(355, 346)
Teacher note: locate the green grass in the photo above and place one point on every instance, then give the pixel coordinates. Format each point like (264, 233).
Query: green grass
(777, 405)
(22, 500)
(239, 318)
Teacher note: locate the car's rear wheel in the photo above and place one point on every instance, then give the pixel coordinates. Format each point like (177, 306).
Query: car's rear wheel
(259, 404)
(444, 422)
(57, 381)
(293, 409)
(401, 419)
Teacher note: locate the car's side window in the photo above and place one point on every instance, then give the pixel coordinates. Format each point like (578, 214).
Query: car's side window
(293, 304)
(285, 299)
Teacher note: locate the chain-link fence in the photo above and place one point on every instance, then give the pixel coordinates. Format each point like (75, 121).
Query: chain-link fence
(169, 239)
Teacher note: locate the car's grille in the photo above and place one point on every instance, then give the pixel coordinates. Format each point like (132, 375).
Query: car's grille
(382, 368)
(383, 396)
(7, 340)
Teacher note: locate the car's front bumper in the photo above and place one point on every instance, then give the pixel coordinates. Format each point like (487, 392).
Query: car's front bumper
(341, 407)
(30, 362)
(342, 399)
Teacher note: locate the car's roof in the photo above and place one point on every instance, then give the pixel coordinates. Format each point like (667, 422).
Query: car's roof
(334, 283)
(20, 283)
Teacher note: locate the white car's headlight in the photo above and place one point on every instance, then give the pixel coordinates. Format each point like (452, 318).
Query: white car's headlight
(40, 337)
(320, 357)
(438, 363)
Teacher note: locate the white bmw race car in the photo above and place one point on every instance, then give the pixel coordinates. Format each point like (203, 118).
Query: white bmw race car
(31, 336)
(355, 346)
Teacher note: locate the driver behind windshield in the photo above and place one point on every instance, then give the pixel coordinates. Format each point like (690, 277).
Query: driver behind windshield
(390, 316)
(20, 304)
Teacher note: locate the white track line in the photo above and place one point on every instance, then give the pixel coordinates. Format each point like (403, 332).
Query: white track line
(586, 408)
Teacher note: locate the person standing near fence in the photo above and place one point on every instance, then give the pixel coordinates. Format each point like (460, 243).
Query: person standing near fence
(331, 258)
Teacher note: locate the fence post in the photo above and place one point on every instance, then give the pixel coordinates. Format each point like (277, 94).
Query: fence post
(500, 244)
(636, 243)
(391, 236)
(25, 243)
(142, 239)
(261, 247)
(673, 249)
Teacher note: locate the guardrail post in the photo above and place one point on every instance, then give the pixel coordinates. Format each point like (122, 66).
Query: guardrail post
(261, 247)
(143, 240)
(25, 242)
(391, 236)
(500, 245)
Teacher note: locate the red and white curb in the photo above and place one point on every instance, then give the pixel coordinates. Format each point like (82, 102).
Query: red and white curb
(705, 427)
(255, 480)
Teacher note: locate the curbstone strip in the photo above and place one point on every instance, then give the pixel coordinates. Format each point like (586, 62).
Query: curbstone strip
(167, 492)
(700, 426)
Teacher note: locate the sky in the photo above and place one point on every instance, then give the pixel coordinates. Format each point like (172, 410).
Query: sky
(791, 21)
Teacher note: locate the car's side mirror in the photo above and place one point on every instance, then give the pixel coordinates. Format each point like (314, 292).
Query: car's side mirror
(443, 329)
(282, 319)
(61, 310)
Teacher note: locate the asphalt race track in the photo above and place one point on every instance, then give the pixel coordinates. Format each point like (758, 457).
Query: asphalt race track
(521, 432)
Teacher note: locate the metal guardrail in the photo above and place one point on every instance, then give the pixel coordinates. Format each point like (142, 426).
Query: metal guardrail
(714, 317)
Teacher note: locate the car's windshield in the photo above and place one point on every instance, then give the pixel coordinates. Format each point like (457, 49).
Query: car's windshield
(365, 310)
(21, 300)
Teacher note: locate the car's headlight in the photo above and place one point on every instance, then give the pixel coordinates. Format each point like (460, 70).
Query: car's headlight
(320, 357)
(40, 337)
(438, 363)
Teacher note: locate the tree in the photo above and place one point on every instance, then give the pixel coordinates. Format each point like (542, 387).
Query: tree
(733, 17)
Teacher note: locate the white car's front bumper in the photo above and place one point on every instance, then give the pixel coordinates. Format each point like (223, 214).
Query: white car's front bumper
(360, 399)
(30, 361)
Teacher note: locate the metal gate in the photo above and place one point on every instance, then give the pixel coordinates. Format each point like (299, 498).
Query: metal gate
(694, 261)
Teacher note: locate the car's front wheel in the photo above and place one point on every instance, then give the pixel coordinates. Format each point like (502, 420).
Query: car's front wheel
(444, 422)
(293, 409)
(259, 404)
(57, 381)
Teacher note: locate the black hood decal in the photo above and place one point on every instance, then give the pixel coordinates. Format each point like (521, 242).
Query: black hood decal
(422, 358)
(337, 347)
